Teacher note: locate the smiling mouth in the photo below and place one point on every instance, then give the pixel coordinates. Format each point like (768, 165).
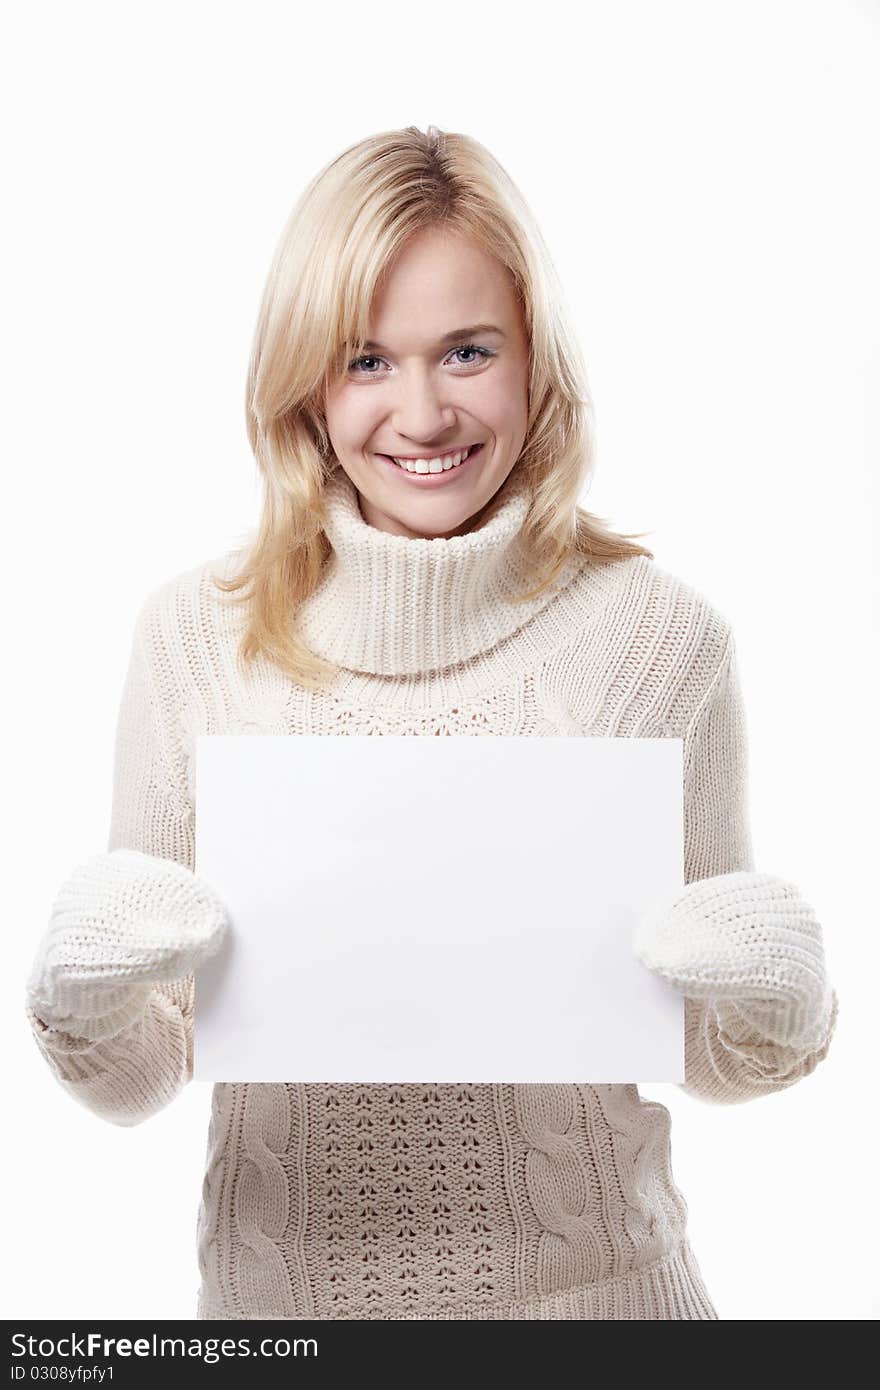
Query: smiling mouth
(442, 463)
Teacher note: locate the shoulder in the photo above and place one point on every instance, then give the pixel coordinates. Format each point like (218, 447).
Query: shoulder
(187, 613)
(654, 641)
(651, 598)
(684, 612)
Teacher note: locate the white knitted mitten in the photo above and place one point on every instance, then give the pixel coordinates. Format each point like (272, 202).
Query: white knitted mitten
(121, 923)
(749, 943)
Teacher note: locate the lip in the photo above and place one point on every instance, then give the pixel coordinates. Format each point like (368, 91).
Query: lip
(433, 479)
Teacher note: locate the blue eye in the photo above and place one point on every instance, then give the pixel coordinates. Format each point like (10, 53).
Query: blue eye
(471, 347)
(465, 347)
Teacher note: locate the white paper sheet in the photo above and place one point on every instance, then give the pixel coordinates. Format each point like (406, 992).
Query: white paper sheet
(442, 909)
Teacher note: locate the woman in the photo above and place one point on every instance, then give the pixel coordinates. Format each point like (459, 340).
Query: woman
(418, 412)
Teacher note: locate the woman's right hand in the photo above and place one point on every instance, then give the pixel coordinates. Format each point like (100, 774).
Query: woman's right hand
(121, 923)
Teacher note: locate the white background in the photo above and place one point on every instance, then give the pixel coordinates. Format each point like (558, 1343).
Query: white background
(705, 176)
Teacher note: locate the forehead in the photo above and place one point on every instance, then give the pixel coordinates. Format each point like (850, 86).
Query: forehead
(438, 281)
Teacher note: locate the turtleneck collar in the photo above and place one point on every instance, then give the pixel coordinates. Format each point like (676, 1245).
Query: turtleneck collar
(398, 605)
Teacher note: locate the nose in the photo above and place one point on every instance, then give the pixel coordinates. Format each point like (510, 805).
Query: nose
(421, 412)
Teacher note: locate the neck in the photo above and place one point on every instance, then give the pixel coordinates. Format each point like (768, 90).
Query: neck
(401, 605)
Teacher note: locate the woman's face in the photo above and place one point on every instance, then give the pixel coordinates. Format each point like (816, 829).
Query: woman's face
(434, 384)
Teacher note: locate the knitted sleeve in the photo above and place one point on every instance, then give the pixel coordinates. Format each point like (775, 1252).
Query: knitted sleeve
(728, 1057)
(129, 1076)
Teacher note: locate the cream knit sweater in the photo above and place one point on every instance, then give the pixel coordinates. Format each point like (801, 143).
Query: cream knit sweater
(433, 1201)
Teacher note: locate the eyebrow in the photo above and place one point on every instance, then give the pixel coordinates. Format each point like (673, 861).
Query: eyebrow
(476, 330)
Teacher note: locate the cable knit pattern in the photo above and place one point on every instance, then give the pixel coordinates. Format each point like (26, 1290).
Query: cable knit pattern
(439, 1201)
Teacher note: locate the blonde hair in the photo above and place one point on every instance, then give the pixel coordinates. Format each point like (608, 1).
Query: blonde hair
(344, 230)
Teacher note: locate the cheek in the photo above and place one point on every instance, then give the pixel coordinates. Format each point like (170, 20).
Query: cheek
(502, 399)
(351, 416)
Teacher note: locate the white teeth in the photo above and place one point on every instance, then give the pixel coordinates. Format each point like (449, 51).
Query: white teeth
(436, 465)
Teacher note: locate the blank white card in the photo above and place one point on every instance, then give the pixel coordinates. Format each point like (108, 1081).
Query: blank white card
(411, 909)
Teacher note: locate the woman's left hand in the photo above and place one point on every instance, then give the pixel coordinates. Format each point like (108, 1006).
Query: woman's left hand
(749, 943)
